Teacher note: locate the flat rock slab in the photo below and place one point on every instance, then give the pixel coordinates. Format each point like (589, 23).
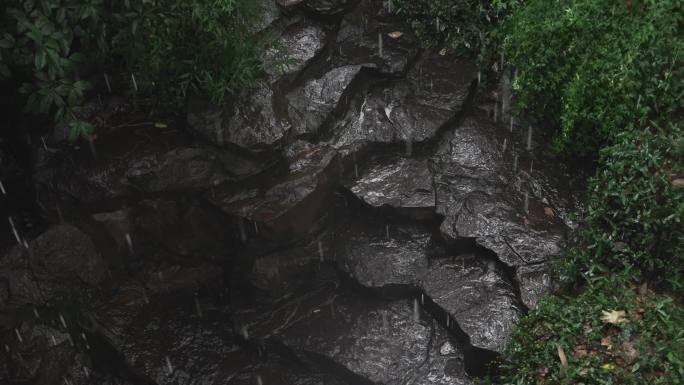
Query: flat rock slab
(380, 341)
(477, 296)
(290, 206)
(377, 254)
(299, 44)
(311, 104)
(402, 183)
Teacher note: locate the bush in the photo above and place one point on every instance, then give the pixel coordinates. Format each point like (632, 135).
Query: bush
(643, 347)
(202, 46)
(596, 67)
(467, 26)
(635, 213)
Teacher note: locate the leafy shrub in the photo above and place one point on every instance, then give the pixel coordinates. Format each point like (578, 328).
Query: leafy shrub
(596, 66)
(202, 46)
(635, 213)
(467, 26)
(642, 347)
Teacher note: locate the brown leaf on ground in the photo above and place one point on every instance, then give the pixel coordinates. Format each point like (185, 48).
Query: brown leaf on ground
(607, 342)
(563, 360)
(678, 182)
(395, 34)
(638, 313)
(581, 351)
(549, 212)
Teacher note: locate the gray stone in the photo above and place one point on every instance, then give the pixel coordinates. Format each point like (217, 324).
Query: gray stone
(298, 45)
(535, 281)
(396, 182)
(310, 105)
(476, 294)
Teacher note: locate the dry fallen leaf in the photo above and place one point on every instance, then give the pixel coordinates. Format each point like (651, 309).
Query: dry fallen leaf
(608, 366)
(563, 360)
(583, 372)
(679, 183)
(549, 212)
(638, 313)
(614, 317)
(607, 342)
(443, 52)
(395, 34)
(581, 351)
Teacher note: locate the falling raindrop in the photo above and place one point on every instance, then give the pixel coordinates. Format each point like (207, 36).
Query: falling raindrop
(129, 242)
(259, 381)
(527, 202)
(356, 170)
(515, 164)
(387, 231)
(320, 250)
(7, 348)
(638, 102)
(66, 381)
(447, 320)
(529, 138)
(496, 111)
(86, 372)
(380, 44)
(432, 85)
(505, 143)
(531, 165)
(25, 244)
(135, 83)
(71, 341)
(85, 339)
(35, 313)
(168, 365)
(61, 319)
(16, 331)
(256, 227)
(437, 24)
(512, 121)
(422, 299)
(479, 77)
(54, 341)
(416, 311)
(385, 322)
(245, 334)
(109, 86)
(198, 307)
(14, 230)
(2, 188)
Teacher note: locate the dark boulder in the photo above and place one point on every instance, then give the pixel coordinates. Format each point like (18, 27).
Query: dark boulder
(299, 44)
(404, 184)
(61, 264)
(476, 294)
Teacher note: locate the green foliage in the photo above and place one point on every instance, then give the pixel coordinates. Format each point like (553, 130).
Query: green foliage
(199, 46)
(467, 26)
(596, 66)
(646, 349)
(202, 46)
(635, 214)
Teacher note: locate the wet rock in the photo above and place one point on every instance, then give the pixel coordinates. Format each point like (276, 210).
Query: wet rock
(275, 370)
(171, 342)
(400, 183)
(185, 229)
(281, 273)
(535, 281)
(60, 264)
(298, 45)
(377, 254)
(407, 111)
(475, 293)
(310, 105)
(269, 13)
(476, 193)
(376, 340)
(249, 120)
(184, 278)
(364, 30)
(183, 168)
(294, 204)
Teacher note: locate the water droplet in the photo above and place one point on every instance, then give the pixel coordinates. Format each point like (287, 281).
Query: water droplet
(135, 83)
(416, 310)
(531, 165)
(422, 299)
(387, 232)
(7, 348)
(85, 339)
(447, 320)
(437, 25)
(256, 227)
(515, 164)
(16, 331)
(380, 44)
(512, 121)
(529, 138)
(2, 188)
(527, 202)
(54, 341)
(109, 86)
(86, 372)
(35, 313)
(259, 381)
(356, 170)
(61, 319)
(505, 144)
(129, 242)
(245, 333)
(14, 230)
(168, 365)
